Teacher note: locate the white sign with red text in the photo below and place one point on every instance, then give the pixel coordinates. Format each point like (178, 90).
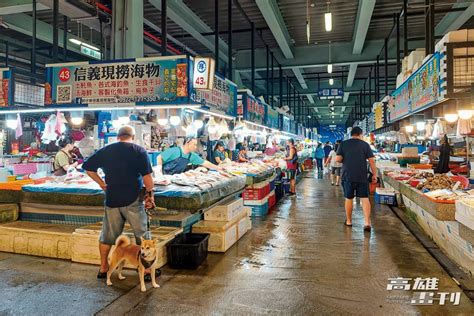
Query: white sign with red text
(203, 75)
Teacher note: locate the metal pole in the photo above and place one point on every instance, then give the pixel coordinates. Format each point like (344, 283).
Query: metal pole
(397, 20)
(287, 92)
(386, 66)
(271, 97)
(405, 28)
(229, 30)
(252, 48)
(377, 80)
(427, 27)
(33, 41)
(280, 86)
(267, 82)
(216, 37)
(65, 27)
(6, 54)
(432, 26)
(164, 31)
(370, 86)
(55, 30)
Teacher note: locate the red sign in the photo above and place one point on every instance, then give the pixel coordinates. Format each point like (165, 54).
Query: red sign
(64, 74)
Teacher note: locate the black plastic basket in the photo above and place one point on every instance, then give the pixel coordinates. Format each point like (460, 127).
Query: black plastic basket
(187, 251)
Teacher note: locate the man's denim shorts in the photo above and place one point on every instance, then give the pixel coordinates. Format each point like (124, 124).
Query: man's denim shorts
(114, 221)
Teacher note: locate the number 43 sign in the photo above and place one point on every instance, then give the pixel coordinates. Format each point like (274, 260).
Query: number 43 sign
(204, 70)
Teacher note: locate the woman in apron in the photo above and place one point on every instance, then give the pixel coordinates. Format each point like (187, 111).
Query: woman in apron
(64, 158)
(292, 164)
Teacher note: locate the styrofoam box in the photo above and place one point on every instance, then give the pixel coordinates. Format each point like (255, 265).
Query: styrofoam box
(415, 57)
(243, 226)
(256, 202)
(385, 191)
(222, 234)
(465, 212)
(259, 185)
(225, 212)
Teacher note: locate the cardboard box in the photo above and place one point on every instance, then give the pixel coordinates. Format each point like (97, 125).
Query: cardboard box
(225, 212)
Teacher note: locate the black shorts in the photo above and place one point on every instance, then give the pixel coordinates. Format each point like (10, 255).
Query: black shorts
(336, 171)
(291, 174)
(361, 189)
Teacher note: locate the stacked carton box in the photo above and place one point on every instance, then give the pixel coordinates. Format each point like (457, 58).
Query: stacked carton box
(257, 198)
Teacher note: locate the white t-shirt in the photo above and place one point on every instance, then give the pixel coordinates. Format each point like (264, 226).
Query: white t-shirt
(334, 163)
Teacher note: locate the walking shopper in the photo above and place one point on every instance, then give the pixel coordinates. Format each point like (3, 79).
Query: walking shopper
(327, 149)
(291, 164)
(335, 166)
(353, 154)
(319, 156)
(127, 169)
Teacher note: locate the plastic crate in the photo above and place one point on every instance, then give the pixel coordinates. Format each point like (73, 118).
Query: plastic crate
(256, 194)
(385, 196)
(271, 199)
(187, 251)
(259, 208)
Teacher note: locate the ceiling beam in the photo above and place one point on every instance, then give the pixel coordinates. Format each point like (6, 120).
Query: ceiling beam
(310, 56)
(364, 15)
(299, 75)
(182, 15)
(274, 19)
(454, 20)
(19, 6)
(23, 23)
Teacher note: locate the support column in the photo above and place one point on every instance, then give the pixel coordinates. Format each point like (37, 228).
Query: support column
(33, 41)
(267, 81)
(427, 27)
(280, 86)
(252, 48)
(386, 66)
(216, 31)
(377, 80)
(127, 28)
(272, 90)
(164, 31)
(65, 28)
(405, 28)
(55, 30)
(397, 21)
(229, 32)
(432, 27)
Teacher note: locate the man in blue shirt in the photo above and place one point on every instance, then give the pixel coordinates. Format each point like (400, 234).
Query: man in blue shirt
(354, 153)
(127, 169)
(176, 159)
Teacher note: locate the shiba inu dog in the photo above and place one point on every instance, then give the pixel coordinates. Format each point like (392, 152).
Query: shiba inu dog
(143, 257)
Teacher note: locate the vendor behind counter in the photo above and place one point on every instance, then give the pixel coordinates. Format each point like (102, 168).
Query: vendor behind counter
(65, 157)
(177, 159)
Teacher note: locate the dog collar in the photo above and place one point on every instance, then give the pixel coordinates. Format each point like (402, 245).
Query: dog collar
(147, 264)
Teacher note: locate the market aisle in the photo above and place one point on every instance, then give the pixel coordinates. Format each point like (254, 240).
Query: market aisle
(302, 260)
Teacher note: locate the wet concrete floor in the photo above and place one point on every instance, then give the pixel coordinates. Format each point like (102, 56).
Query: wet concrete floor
(299, 260)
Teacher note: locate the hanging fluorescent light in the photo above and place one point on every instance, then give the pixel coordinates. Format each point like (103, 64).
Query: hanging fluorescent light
(331, 81)
(329, 68)
(328, 21)
(308, 31)
(90, 46)
(75, 41)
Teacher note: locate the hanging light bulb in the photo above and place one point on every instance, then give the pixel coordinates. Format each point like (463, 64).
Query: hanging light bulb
(175, 118)
(11, 121)
(331, 81)
(465, 114)
(329, 68)
(77, 117)
(420, 126)
(328, 21)
(162, 117)
(224, 128)
(409, 128)
(451, 118)
(198, 124)
(211, 126)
